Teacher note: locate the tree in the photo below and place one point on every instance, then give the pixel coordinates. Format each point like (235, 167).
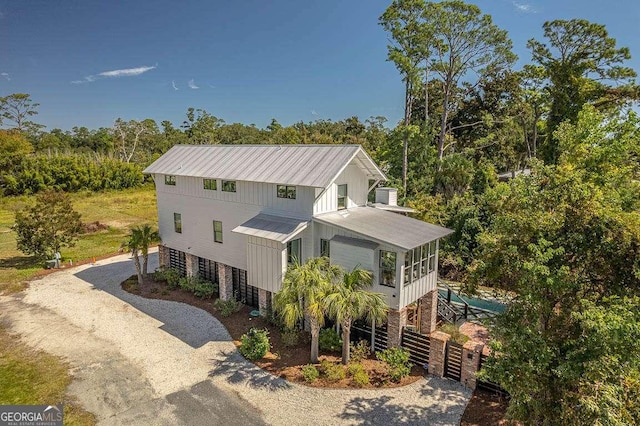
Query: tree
(13, 145)
(47, 226)
(303, 296)
(348, 301)
(129, 134)
(581, 64)
(200, 126)
(17, 108)
(138, 242)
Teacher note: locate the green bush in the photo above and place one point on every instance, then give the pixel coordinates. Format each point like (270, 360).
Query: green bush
(332, 372)
(354, 367)
(227, 307)
(310, 373)
(255, 344)
(289, 338)
(360, 350)
(187, 283)
(361, 378)
(205, 289)
(397, 360)
(172, 278)
(329, 340)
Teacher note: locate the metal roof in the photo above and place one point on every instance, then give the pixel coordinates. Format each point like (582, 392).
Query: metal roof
(355, 242)
(276, 228)
(385, 227)
(396, 209)
(306, 165)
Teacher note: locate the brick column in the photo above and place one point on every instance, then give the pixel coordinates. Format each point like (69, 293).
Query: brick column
(225, 281)
(429, 312)
(191, 261)
(163, 256)
(262, 302)
(396, 320)
(471, 352)
(437, 348)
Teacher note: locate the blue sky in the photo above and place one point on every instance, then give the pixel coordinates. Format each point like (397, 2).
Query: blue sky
(88, 62)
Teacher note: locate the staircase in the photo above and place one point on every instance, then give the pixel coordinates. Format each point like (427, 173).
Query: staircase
(454, 309)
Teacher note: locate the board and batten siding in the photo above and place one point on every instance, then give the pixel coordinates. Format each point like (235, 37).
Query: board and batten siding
(267, 262)
(350, 256)
(357, 191)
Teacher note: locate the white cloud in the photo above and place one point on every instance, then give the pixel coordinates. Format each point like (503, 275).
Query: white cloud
(126, 72)
(313, 112)
(173, 84)
(6, 75)
(524, 7)
(192, 84)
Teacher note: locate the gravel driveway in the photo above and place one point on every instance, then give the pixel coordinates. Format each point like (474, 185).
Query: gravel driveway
(143, 361)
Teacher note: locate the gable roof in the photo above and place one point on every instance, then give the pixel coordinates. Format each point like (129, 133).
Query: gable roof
(385, 227)
(306, 165)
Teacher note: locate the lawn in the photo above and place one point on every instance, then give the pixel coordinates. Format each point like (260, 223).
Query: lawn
(119, 210)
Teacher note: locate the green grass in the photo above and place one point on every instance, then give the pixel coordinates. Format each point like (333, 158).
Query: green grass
(28, 376)
(120, 210)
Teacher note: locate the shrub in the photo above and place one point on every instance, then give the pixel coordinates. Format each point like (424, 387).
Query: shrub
(360, 350)
(227, 307)
(332, 372)
(188, 283)
(289, 338)
(205, 289)
(329, 340)
(255, 344)
(361, 378)
(310, 373)
(455, 333)
(172, 277)
(397, 360)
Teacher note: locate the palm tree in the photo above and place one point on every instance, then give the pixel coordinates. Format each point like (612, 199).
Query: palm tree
(147, 237)
(349, 301)
(303, 295)
(138, 241)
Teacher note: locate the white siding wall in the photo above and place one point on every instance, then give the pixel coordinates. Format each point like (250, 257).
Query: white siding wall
(350, 256)
(266, 263)
(357, 186)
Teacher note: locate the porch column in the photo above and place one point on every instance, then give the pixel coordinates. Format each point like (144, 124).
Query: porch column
(429, 312)
(263, 302)
(225, 281)
(471, 352)
(437, 349)
(396, 320)
(163, 256)
(191, 262)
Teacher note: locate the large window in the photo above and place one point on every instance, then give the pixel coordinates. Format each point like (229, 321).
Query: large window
(177, 223)
(342, 196)
(387, 268)
(229, 185)
(210, 184)
(286, 191)
(170, 180)
(324, 248)
(419, 262)
(217, 231)
(294, 251)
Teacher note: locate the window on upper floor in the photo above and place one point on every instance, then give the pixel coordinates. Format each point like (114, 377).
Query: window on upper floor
(387, 268)
(294, 251)
(170, 180)
(210, 184)
(286, 191)
(229, 185)
(217, 231)
(419, 262)
(324, 248)
(177, 223)
(342, 196)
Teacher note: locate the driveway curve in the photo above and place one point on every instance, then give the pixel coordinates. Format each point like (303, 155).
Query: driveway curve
(145, 361)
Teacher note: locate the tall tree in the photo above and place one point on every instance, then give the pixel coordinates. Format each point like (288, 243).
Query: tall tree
(17, 108)
(349, 300)
(581, 65)
(137, 243)
(129, 135)
(47, 226)
(200, 126)
(302, 296)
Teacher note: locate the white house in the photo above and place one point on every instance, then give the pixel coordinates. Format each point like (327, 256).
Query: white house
(239, 214)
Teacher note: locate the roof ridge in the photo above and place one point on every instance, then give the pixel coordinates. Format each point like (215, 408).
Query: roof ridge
(298, 145)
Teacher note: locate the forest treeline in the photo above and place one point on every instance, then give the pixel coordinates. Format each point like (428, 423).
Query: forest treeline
(564, 236)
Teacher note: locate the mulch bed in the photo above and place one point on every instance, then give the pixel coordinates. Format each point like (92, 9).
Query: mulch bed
(485, 409)
(281, 361)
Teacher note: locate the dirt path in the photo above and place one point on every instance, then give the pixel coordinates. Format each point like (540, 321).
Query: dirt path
(143, 361)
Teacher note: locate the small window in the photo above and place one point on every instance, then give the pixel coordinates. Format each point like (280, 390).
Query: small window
(387, 268)
(170, 180)
(210, 184)
(294, 248)
(324, 248)
(177, 223)
(342, 196)
(217, 231)
(229, 185)
(285, 191)
(408, 263)
(433, 248)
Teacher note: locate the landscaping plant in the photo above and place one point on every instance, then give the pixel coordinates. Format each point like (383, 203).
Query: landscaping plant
(329, 340)
(255, 344)
(310, 373)
(397, 360)
(360, 351)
